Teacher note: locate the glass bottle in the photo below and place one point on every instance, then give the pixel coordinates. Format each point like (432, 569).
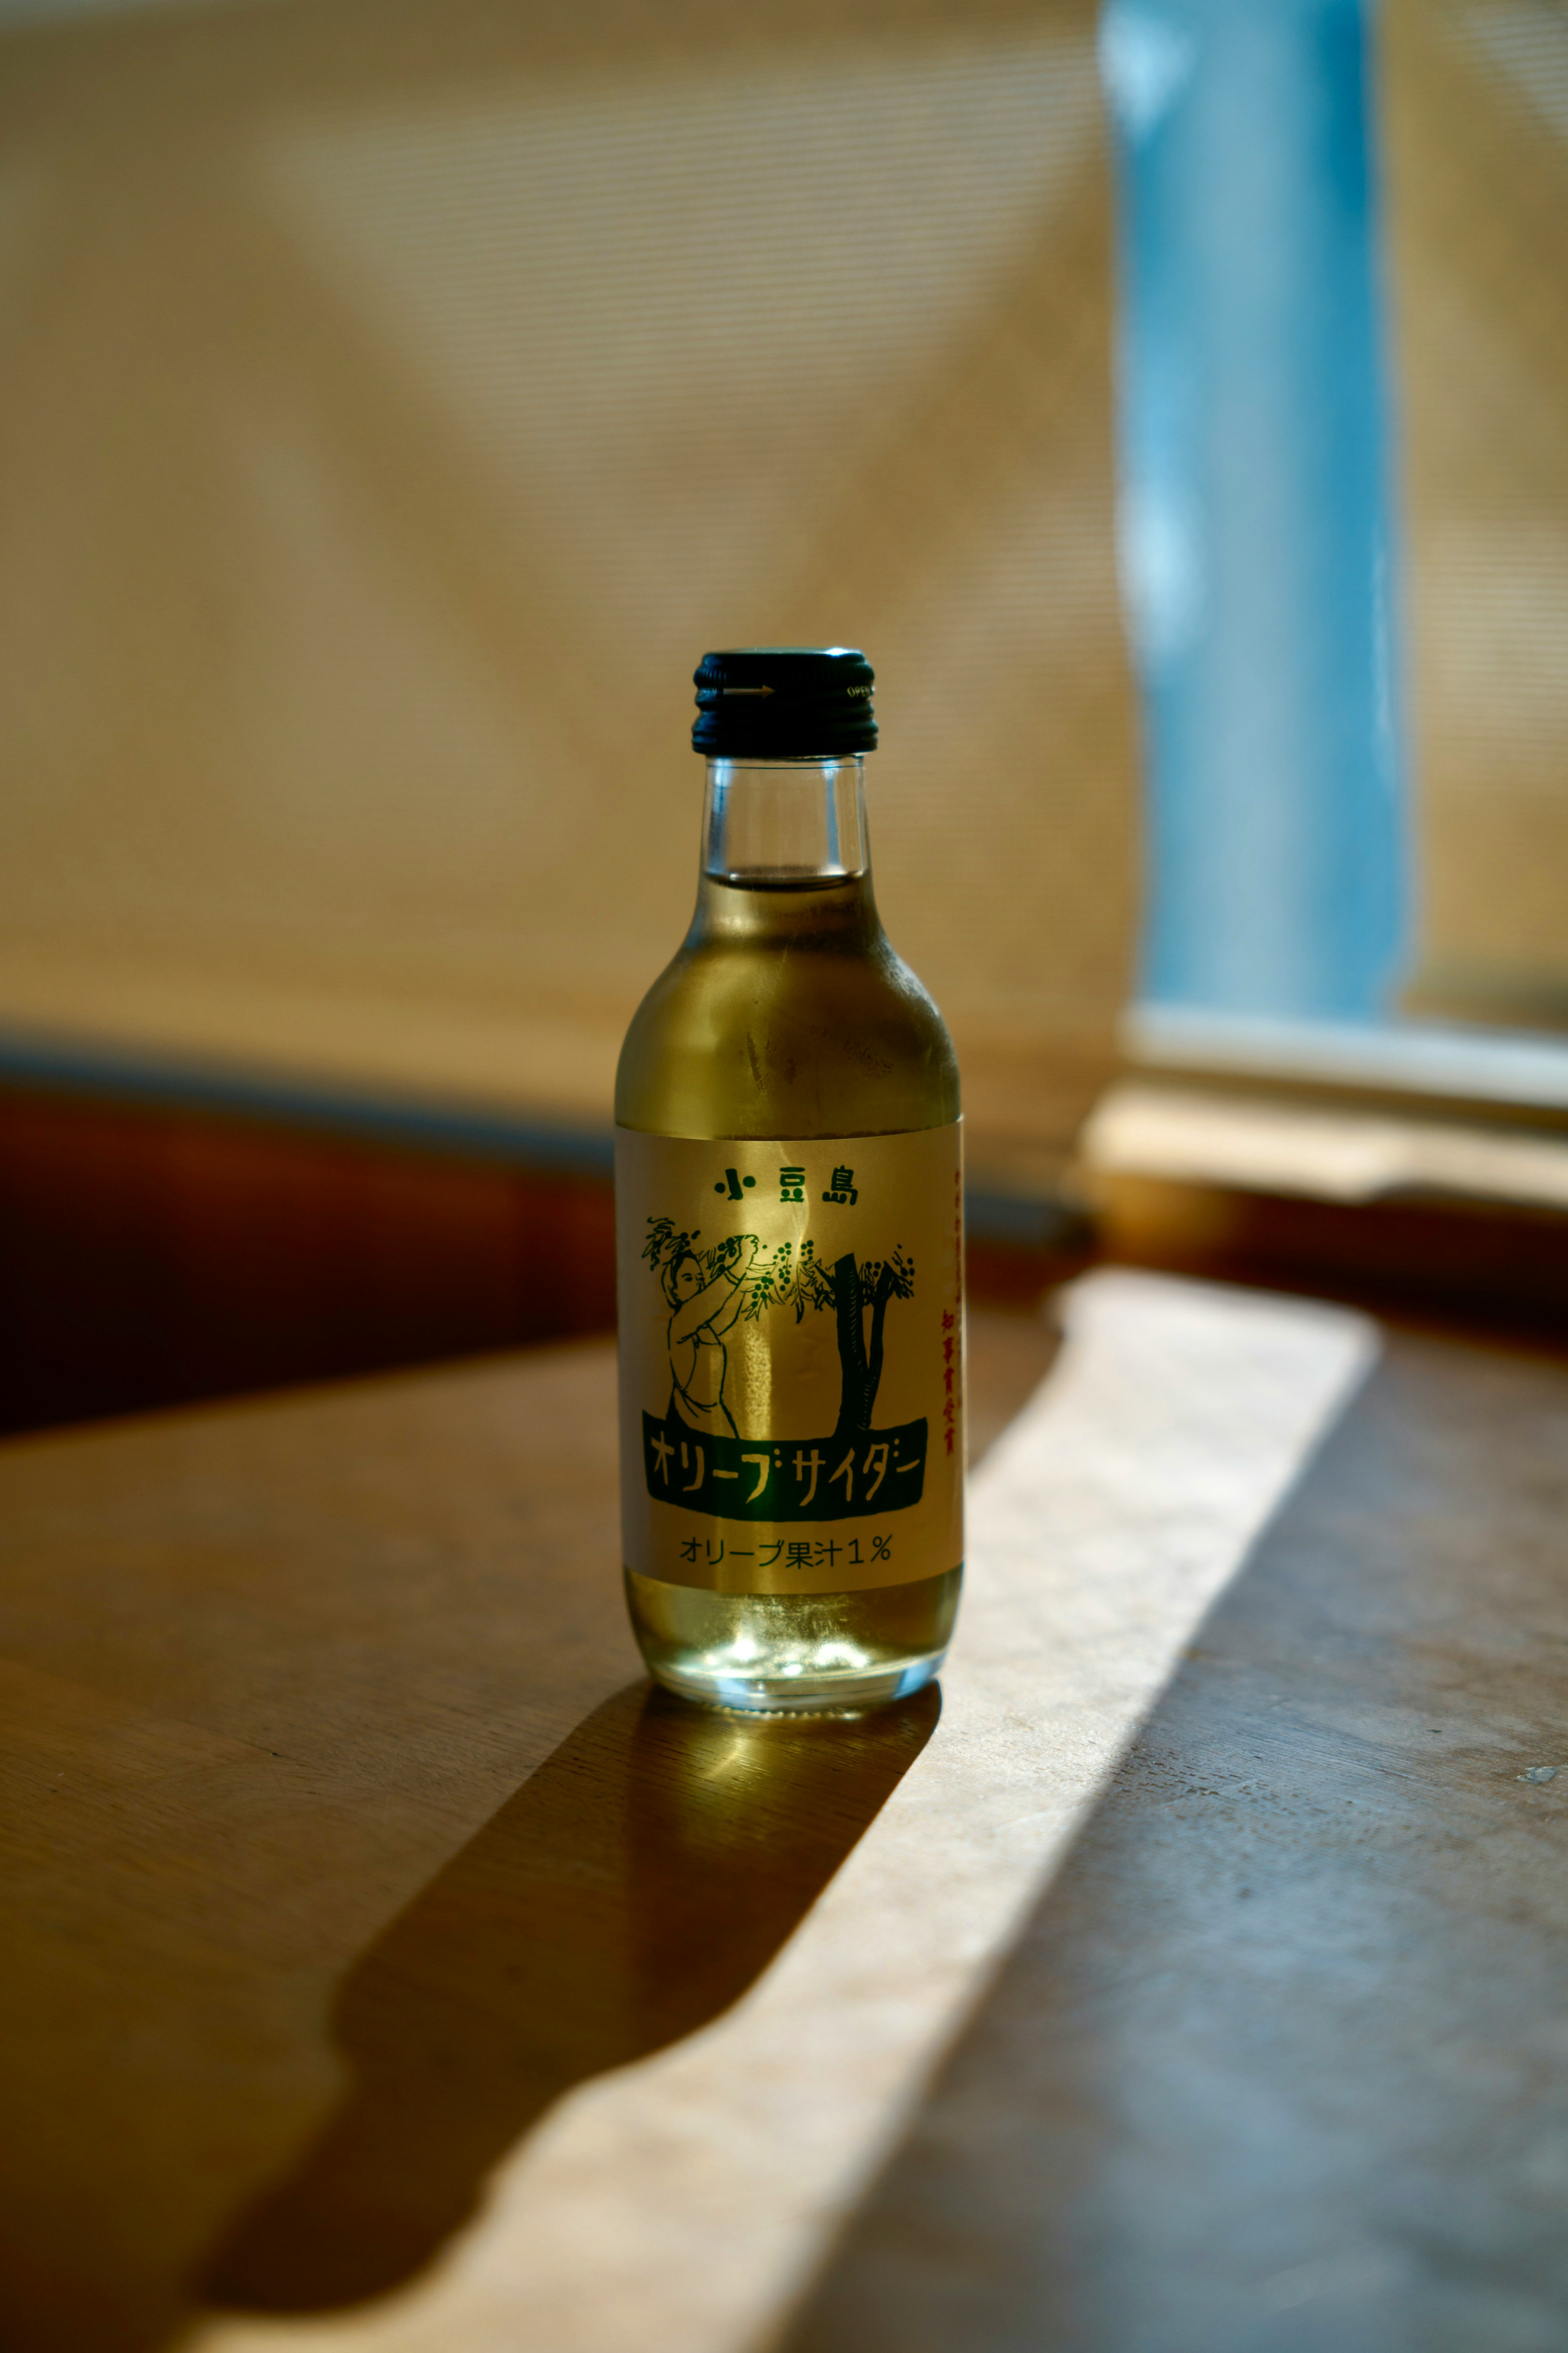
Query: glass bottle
(792, 1350)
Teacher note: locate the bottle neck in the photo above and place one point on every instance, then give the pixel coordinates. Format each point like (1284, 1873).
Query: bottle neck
(785, 843)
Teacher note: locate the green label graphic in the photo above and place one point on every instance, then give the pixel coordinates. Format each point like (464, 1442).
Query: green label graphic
(768, 1286)
(871, 1475)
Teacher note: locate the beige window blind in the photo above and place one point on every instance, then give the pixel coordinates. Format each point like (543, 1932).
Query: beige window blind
(403, 398)
(1477, 137)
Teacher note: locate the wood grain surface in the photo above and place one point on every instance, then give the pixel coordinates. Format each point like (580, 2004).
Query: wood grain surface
(327, 1749)
(1280, 2064)
(343, 1835)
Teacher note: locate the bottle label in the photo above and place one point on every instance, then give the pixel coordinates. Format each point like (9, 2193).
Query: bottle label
(791, 1359)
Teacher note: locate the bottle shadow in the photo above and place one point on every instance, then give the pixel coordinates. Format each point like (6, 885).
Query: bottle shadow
(629, 1891)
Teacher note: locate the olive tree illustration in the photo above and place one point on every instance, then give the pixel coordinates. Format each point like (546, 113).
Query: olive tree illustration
(667, 1244)
(853, 1291)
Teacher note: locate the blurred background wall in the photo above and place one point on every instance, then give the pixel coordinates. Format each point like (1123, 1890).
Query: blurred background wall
(401, 397)
(1476, 116)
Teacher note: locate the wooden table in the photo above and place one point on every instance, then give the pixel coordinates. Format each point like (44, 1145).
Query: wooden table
(1280, 2062)
(344, 1837)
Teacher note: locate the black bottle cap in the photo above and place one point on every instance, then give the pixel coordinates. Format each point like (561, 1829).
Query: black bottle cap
(784, 703)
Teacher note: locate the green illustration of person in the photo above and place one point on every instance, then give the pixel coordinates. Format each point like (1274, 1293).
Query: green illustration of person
(702, 1312)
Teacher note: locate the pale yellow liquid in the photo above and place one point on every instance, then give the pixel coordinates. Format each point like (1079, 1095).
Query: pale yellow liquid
(786, 1014)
